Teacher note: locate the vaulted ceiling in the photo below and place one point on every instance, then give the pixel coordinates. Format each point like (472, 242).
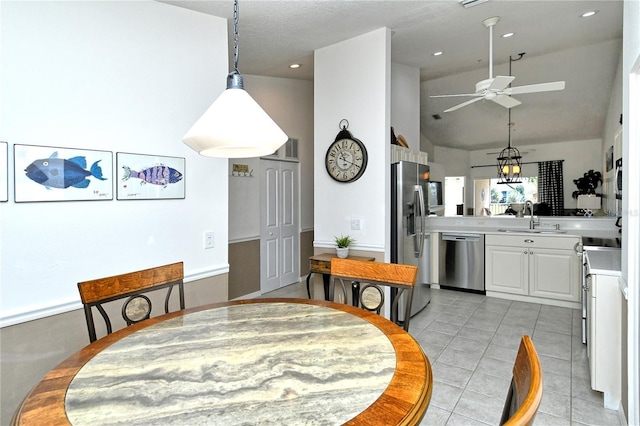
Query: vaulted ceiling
(558, 44)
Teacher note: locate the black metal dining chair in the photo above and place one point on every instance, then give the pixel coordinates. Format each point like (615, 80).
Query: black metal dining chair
(131, 286)
(525, 392)
(371, 276)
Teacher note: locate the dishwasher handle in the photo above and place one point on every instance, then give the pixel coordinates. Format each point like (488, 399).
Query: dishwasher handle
(461, 237)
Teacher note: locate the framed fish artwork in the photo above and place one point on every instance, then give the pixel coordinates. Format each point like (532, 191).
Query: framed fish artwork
(147, 177)
(4, 171)
(44, 173)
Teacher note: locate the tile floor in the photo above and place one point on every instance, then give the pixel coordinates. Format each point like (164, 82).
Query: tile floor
(471, 341)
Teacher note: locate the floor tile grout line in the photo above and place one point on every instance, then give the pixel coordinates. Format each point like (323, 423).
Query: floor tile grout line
(449, 308)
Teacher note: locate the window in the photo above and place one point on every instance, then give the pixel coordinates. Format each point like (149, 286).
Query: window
(494, 199)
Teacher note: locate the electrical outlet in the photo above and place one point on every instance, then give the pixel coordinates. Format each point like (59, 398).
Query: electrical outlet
(355, 224)
(209, 240)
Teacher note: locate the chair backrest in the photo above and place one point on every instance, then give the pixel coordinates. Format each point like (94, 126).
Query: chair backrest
(371, 275)
(525, 392)
(131, 286)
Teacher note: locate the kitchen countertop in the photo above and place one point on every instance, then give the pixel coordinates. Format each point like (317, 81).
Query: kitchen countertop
(548, 232)
(604, 261)
(602, 228)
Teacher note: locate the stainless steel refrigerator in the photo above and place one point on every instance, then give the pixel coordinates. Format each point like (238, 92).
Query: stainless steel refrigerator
(410, 241)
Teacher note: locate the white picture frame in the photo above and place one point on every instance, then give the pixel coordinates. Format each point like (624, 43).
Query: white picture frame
(149, 177)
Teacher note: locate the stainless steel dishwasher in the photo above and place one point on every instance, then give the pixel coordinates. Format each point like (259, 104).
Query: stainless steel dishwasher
(461, 261)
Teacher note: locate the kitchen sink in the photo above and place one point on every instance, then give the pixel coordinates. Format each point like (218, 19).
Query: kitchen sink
(533, 231)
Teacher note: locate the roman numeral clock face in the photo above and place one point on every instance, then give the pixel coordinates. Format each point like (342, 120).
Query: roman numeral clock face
(346, 159)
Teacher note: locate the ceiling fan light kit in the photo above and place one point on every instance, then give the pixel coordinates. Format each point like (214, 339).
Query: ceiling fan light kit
(497, 89)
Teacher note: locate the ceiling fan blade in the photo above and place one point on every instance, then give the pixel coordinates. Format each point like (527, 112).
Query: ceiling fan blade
(534, 88)
(506, 101)
(500, 82)
(453, 108)
(451, 96)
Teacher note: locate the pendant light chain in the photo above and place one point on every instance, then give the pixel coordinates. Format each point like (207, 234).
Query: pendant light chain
(235, 35)
(509, 128)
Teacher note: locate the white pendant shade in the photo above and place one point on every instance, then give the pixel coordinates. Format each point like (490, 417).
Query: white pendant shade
(235, 126)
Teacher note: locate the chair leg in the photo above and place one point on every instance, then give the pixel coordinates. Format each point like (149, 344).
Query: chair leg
(308, 290)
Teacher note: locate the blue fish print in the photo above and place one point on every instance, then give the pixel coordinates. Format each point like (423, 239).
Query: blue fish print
(54, 172)
(156, 175)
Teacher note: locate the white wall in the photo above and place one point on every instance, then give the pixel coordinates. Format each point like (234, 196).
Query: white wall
(289, 102)
(579, 156)
(612, 126)
(352, 81)
(114, 76)
(405, 103)
(631, 203)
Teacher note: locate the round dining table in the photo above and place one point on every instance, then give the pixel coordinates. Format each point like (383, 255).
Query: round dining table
(256, 361)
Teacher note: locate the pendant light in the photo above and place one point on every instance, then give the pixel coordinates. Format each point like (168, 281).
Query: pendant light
(235, 126)
(509, 166)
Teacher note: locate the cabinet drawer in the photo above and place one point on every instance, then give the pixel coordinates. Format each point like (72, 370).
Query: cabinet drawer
(532, 240)
(320, 266)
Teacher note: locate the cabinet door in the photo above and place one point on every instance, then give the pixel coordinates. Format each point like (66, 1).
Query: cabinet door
(554, 274)
(507, 269)
(591, 330)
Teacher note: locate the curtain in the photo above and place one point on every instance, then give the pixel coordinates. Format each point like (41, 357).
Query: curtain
(550, 186)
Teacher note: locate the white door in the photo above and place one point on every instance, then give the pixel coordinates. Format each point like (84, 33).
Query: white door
(279, 230)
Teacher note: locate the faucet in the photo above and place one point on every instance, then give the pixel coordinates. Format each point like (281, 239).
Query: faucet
(532, 223)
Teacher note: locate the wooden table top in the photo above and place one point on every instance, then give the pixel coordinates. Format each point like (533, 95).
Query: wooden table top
(279, 361)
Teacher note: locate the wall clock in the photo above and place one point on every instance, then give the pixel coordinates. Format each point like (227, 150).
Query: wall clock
(346, 158)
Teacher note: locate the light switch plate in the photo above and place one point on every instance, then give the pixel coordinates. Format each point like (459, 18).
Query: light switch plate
(209, 240)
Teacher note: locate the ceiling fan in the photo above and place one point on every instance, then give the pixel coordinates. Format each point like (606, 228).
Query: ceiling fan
(497, 88)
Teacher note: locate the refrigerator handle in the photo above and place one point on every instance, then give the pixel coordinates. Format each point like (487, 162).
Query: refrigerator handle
(419, 194)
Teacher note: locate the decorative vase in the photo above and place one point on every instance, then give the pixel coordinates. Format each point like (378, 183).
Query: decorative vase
(342, 252)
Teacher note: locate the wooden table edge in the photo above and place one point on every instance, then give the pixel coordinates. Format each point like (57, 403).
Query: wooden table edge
(54, 385)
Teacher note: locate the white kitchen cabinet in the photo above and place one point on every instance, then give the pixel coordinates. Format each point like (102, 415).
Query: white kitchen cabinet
(533, 265)
(555, 274)
(506, 269)
(604, 336)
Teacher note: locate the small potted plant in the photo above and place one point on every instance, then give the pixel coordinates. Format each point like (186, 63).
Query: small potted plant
(343, 243)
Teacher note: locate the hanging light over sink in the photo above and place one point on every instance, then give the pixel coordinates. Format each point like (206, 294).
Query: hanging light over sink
(509, 166)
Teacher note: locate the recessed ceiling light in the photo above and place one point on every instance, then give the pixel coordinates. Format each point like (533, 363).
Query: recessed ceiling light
(437, 54)
(507, 35)
(588, 14)
(294, 66)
